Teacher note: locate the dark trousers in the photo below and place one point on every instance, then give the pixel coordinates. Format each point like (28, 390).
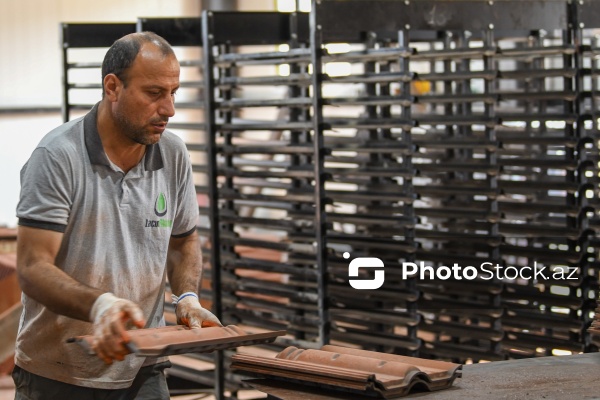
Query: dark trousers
(149, 384)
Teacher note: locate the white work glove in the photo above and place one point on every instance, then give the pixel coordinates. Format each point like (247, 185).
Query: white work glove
(189, 312)
(111, 317)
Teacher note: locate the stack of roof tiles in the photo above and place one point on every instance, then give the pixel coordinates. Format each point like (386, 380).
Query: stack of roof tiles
(352, 370)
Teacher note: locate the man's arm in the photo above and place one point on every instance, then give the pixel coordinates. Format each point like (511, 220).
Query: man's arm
(44, 282)
(184, 264)
(184, 270)
(47, 284)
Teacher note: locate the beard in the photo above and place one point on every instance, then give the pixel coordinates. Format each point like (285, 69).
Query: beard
(138, 133)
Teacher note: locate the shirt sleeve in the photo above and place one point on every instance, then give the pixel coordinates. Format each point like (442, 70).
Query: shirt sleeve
(186, 218)
(45, 200)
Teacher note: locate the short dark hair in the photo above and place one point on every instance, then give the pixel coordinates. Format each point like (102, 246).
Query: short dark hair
(123, 52)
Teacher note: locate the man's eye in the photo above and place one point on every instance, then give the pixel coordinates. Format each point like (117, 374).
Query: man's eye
(154, 92)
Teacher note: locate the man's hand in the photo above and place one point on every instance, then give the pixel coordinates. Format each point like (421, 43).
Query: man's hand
(110, 316)
(189, 312)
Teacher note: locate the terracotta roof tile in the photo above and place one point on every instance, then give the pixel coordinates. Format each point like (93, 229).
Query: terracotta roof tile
(359, 371)
(170, 340)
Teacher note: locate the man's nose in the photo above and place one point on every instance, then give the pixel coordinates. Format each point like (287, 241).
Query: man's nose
(167, 106)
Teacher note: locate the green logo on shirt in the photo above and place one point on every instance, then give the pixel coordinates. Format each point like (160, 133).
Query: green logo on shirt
(160, 209)
(160, 205)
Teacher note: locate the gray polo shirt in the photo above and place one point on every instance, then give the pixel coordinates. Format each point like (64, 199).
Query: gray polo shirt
(116, 229)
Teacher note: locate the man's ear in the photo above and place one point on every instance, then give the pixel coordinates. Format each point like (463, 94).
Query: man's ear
(112, 87)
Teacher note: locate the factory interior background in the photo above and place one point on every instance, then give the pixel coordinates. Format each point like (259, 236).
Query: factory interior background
(441, 141)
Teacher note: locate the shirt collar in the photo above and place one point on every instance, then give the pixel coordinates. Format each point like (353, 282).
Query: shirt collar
(153, 160)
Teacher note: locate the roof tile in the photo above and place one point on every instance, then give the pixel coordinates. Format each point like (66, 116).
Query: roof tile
(170, 340)
(360, 371)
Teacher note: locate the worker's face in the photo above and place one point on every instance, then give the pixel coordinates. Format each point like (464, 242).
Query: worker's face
(145, 103)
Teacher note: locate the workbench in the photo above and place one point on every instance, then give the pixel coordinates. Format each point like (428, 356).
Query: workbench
(557, 377)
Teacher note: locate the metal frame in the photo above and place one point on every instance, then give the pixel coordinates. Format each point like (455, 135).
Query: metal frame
(82, 35)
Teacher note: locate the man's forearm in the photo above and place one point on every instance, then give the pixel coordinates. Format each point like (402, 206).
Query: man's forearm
(44, 282)
(184, 264)
(61, 294)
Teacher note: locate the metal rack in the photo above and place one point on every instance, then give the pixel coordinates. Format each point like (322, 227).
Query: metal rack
(185, 36)
(458, 132)
(77, 83)
(259, 148)
(492, 165)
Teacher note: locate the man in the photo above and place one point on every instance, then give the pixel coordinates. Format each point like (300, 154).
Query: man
(107, 201)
